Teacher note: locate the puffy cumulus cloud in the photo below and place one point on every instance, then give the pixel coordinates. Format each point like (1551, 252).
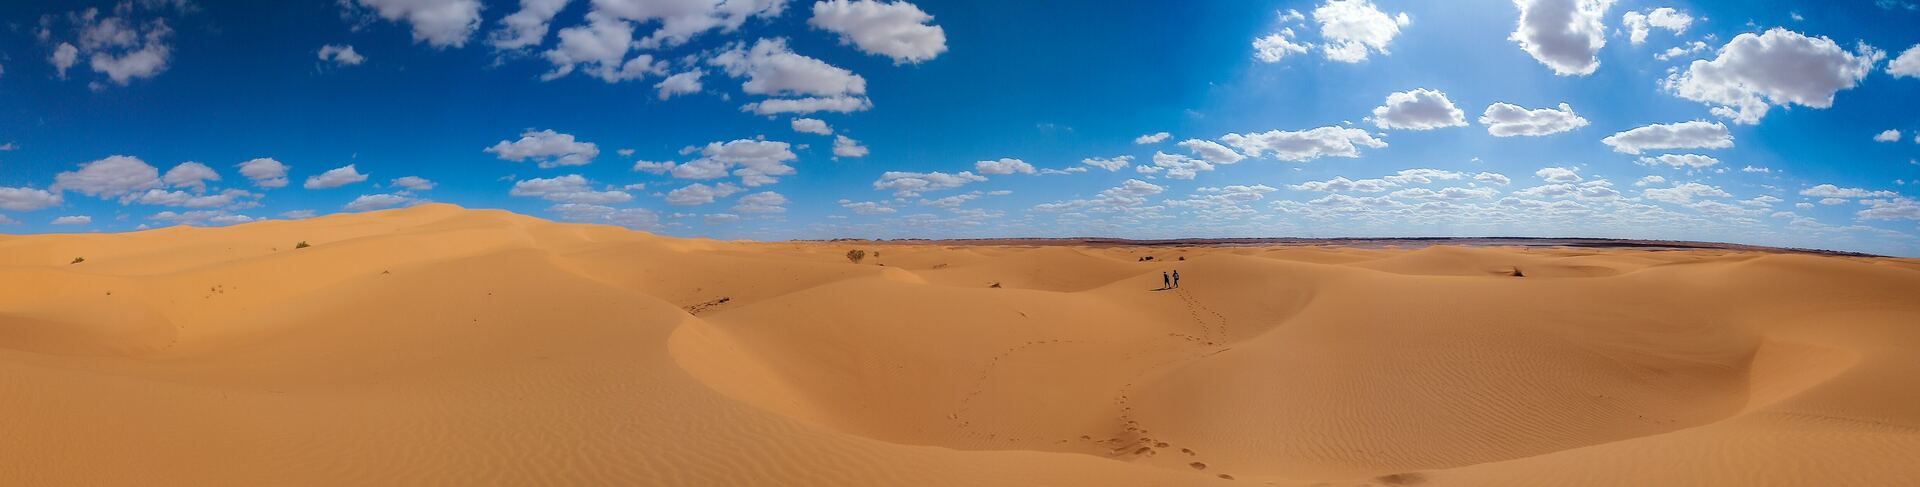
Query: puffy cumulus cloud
(1003, 166)
(439, 23)
(771, 69)
(761, 202)
(1890, 135)
(1341, 184)
(109, 177)
(911, 184)
(1153, 138)
(1448, 193)
(411, 183)
(1639, 23)
(369, 202)
(1212, 151)
(1684, 135)
(951, 201)
(571, 188)
(334, 178)
(1177, 166)
(341, 55)
(867, 207)
(549, 148)
(526, 27)
(1352, 29)
(1110, 163)
(1890, 209)
(1779, 67)
(190, 175)
(600, 49)
(63, 58)
(1276, 46)
(1688, 49)
(1304, 145)
(265, 172)
(1694, 161)
(1423, 176)
(634, 218)
(811, 126)
(1831, 191)
(680, 20)
(1238, 193)
(1907, 65)
(1509, 120)
(700, 194)
(1419, 109)
(1599, 189)
(1559, 174)
(1565, 35)
(1683, 193)
(200, 217)
(844, 146)
(1650, 180)
(117, 45)
(1403, 177)
(1127, 195)
(679, 84)
(898, 30)
(232, 198)
(755, 162)
(1753, 169)
(1493, 178)
(73, 220)
(27, 199)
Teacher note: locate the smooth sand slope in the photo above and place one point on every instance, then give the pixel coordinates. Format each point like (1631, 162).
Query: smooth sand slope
(436, 345)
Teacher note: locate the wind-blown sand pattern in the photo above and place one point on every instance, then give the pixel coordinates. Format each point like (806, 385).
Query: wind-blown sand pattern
(436, 345)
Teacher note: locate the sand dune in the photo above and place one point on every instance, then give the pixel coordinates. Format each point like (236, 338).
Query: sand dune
(437, 345)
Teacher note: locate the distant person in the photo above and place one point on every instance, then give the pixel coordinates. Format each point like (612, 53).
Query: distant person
(1165, 282)
(1176, 278)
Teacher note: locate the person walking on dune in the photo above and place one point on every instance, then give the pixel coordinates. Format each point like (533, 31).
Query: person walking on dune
(1165, 283)
(1176, 278)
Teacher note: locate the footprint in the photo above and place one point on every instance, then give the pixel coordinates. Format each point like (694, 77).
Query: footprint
(1198, 466)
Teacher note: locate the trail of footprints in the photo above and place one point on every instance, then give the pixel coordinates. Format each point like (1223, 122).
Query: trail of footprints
(1133, 440)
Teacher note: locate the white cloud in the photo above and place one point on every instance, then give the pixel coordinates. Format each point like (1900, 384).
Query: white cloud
(811, 126)
(414, 183)
(600, 49)
(1890, 135)
(571, 188)
(27, 199)
(762, 202)
(1638, 24)
(1907, 65)
(1565, 35)
(1305, 145)
(1277, 46)
(341, 55)
(811, 104)
(1212, 151)
(368, 202)
(190, 175)
(1694, 161)
(1779, 67)
(700, 194)
(910, 184)
(1683, 193)
(897, 30)
(1131, 192)
(265, 172)
(228, 198)
(1559, 174)
(1753, 169)
(1688, 49)
(844, 146)
(773, 70)
(1890, 209)
(680, 20)
(200, 217)
(1833, 201)
(1493, 178)
(1509, 120)
(1351, 29)
(117, 45)
(1684, 135)
(109, 177)
(1109, 164)
(755, 162)
(1340, 184)
(1419, 109)
(551, 149)
(1003, 166)
(73, 220)
(1153, 138)
(1178, 166)
(63, 58)
(1831, 191)
(334, 178)
(526, 27)
(439, 23)
(866, 207)
(679, 84)
(635, 218)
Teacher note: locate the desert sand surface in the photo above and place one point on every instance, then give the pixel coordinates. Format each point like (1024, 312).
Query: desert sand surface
(436, 345)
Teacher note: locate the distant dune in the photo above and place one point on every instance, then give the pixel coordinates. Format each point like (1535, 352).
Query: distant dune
(444, 346)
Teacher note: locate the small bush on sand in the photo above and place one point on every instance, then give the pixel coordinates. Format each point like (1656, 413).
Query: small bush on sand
(996, 285)
(77, 260)
(856, 255)
(1516, 273)
(301, 245)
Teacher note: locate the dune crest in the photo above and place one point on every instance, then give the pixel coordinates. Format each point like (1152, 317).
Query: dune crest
(436, 344)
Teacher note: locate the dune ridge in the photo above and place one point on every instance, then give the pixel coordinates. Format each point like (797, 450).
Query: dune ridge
(440, 345)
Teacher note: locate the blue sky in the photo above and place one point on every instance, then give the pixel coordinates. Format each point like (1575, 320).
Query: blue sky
(1777, 123)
